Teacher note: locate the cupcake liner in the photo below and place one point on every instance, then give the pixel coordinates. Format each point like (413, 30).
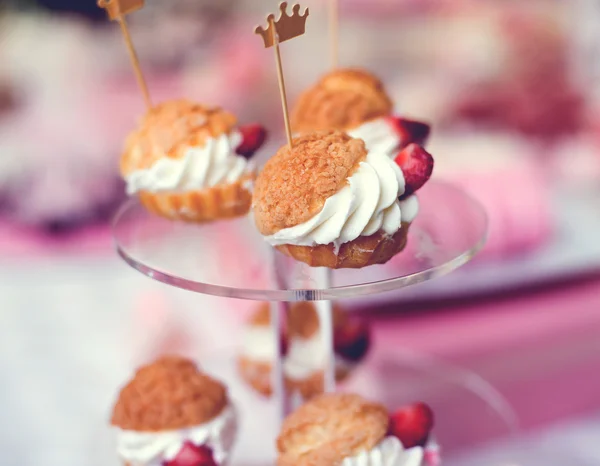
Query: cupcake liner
(218, 202)
(364, 250)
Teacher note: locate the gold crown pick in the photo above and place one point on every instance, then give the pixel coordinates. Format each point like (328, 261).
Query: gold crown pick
(285, 28)
(117, 9)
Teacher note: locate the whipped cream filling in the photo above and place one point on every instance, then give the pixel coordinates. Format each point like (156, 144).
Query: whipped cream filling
(154, 448)
(409, 208)
(201, 167)
(306, 356)
(378, 135)
(366, 205)
(258, 344)
(388, 452)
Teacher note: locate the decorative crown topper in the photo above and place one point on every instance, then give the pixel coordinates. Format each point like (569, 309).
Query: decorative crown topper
(119, 8)
(286, 27)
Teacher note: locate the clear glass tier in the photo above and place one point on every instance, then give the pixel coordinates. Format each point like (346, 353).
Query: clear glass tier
(229, 258)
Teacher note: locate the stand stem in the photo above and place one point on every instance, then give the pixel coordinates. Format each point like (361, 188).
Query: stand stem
(135, 62)
(284, 105)
(325, 313)
(283, 398)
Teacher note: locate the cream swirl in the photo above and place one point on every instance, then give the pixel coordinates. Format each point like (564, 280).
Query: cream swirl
(305, 356)
(388, 452)
(379, 136)
(154, 448)
(201, 167)
(259, 344)
(366, 205)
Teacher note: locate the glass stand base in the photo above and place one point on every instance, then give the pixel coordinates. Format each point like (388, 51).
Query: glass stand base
(230, 259)
(469, 411)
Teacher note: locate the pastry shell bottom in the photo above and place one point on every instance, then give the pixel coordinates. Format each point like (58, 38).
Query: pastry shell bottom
(314, 384)
(217, 202)
(363, 251)
(257, 374)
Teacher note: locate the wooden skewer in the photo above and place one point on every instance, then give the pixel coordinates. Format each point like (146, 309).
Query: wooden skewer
(135, 62)
(284, 105)
(334, 32)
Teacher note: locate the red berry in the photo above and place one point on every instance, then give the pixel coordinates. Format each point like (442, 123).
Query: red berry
(192, 455)
(410, 131)
(283, 342)
(412, 424)
(417, 165)
(352, 341)
(253, 136)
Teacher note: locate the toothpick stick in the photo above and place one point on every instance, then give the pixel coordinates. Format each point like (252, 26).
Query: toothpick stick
(334, 12)
(285, 28)
(137, 69)
(117, 10)
(284, 105)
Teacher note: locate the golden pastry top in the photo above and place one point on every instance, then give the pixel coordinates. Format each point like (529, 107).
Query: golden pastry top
(295, 183)
(343, 99)
(329, 428)
(171, 393)
(169, 129)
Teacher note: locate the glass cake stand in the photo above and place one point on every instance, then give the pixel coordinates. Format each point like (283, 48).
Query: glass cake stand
(230, 259)
(449, 230)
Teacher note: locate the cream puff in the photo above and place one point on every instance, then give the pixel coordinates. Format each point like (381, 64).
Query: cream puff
(190, 162)
(355, 101)
(304, 352)
(258, 351)
(305, 360)
(328, 201)
(348, 430)
(171, 414)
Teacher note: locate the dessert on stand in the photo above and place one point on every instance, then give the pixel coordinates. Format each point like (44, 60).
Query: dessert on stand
(329, 202)
(338, 268)
(189, 162)
(355, 101)
(302, 346)
(348, 430)
(172, 414)
(186, 161)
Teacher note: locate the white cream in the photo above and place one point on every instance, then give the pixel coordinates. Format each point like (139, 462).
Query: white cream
(409, 208)
(366, 205)
(153, 448)
(306, 356)
(389, 452)
(258, 344)
(201, 167)
(379, 136)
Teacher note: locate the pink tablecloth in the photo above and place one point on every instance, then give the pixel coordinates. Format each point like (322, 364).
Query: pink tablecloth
(539, 349)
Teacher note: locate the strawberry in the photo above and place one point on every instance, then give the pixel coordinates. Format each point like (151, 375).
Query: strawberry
(352, 341)
(417, 165)
(409, 131)
(253, 136)
(192, 455)
(412, 424)
(283, 342)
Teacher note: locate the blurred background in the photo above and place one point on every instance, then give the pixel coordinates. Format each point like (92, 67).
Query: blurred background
(512, 91)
